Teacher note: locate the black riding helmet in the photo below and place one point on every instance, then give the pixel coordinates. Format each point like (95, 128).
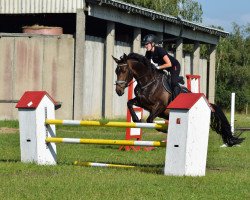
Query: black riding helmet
(150, 38)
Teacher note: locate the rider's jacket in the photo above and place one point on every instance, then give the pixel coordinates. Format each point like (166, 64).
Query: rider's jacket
(157, 57)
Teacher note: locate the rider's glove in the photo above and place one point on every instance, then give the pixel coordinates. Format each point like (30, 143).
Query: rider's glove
(155, 64)
(157, 67)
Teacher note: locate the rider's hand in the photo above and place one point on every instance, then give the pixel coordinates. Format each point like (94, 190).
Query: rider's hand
(157, 66)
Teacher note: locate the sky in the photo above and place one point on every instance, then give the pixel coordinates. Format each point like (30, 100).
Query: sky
(224, 12)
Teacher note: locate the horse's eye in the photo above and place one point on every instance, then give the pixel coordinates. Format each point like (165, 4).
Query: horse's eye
(116, 70)
(120, 69)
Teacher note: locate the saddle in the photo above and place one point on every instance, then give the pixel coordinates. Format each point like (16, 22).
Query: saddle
(166, 81)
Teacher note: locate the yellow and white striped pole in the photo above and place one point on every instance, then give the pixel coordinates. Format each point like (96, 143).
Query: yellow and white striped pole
(106, 124)
(106, 142)
(94, 164)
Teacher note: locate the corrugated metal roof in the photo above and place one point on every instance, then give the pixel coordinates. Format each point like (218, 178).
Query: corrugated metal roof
(130, 8)
(70, 6)
(40, 6)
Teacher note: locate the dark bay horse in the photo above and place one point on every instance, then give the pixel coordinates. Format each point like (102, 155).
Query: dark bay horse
(151, 95)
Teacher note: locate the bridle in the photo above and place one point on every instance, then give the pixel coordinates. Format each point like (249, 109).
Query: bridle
(126, 84)
(120, 83)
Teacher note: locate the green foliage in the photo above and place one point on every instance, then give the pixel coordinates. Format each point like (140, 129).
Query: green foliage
(187, 9)
(164, 6)
(232, 69)
(190, 10)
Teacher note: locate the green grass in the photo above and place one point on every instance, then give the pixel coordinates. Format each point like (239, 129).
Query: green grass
(227, 174)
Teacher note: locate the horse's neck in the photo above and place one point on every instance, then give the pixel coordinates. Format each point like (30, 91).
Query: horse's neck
(144, 75)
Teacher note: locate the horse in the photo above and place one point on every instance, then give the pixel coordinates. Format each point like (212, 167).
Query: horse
(152, 95)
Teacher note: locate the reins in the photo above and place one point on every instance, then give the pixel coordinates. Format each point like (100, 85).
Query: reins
(128, 84)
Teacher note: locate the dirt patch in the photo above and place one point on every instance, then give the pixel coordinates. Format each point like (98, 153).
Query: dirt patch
(7, 130)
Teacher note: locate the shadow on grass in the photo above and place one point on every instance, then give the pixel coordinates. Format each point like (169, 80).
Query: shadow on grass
(9, 160)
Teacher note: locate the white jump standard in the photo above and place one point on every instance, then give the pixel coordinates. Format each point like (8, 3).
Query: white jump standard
(188, 130)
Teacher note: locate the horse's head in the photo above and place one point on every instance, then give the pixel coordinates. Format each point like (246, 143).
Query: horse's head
(124, 74)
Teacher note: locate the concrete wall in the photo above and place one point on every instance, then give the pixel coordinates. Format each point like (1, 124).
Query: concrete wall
(93, 78)
(47, 63)
(36, 63)
(203, 74)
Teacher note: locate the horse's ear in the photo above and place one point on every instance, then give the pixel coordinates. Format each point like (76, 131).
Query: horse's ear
(125, 56)
(115, 59)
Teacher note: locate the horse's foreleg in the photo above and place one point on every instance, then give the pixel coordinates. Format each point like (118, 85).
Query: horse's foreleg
(155, 113)
(130, 104)
(164, 114)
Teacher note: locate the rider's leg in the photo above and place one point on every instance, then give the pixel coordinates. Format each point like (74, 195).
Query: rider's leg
(174, 81)
(174, 85)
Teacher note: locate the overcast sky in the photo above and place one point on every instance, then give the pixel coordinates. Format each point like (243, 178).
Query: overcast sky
(224, 12)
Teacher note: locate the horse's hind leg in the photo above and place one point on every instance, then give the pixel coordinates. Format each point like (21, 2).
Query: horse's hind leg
(130, 104)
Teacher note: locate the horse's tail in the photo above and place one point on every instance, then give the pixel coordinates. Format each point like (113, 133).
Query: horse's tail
(220, 124)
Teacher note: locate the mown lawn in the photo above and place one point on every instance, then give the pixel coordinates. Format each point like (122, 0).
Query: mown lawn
(227, 175)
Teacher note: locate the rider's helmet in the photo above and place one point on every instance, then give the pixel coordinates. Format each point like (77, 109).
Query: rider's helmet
(150, 38)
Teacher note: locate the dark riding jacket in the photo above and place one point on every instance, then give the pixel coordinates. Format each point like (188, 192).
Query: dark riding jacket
(157, 57)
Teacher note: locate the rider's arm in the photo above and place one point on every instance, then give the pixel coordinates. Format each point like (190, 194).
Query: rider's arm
(164, 55)
(167, 63)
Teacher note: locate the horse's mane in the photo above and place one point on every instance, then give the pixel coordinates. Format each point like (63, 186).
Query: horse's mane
(139, 58)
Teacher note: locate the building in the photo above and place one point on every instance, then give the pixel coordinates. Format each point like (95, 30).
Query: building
(76, 68)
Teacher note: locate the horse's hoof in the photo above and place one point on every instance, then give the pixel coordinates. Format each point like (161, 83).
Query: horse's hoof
(235, 141)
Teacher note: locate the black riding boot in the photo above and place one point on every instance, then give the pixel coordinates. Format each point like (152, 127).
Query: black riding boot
(176, 91)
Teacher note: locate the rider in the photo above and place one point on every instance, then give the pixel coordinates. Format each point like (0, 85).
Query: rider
(162, 60)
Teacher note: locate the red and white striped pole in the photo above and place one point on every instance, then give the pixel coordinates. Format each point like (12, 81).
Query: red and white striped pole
(133, 133)
(193, 83)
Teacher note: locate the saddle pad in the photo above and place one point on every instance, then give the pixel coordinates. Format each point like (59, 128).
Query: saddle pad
(166, 83)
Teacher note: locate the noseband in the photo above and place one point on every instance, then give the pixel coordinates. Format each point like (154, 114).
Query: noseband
(123, 82)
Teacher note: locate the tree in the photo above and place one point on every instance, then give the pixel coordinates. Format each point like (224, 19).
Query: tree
(190, 10)
(232, 69)
(187, 9)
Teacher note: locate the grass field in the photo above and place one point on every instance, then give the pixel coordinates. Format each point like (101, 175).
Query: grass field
(227, 174)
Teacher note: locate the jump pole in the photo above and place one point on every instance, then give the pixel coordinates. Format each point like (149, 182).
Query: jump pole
(105, 124)
(188, 130)
(105, 142)
(94, 164)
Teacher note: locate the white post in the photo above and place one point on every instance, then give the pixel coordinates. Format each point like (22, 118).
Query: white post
(232, 111)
